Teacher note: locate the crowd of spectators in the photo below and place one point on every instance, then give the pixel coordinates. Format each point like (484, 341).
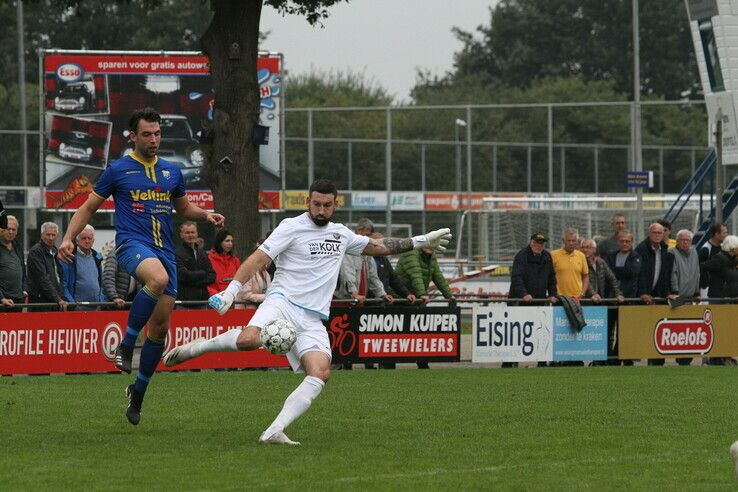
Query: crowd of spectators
(658, 270)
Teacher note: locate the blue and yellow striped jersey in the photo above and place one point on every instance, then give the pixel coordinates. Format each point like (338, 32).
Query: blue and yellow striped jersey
(143, 195)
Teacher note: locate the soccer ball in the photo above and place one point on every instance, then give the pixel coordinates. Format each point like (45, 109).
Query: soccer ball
(278, 336)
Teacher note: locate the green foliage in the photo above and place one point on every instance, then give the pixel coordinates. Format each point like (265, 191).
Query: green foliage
(608, 428)
(526, 41)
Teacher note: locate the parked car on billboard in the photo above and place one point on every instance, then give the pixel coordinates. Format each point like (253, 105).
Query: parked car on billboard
(75, 97)
(76, 146)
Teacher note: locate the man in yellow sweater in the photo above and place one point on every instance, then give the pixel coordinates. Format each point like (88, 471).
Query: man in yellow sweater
(570, 265)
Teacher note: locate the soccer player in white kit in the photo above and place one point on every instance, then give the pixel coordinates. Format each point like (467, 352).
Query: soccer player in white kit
(308, 250)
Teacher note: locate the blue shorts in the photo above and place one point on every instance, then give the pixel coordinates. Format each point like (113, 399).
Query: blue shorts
(131, 253)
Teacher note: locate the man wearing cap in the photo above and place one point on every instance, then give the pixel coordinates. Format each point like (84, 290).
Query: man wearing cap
(532, 276)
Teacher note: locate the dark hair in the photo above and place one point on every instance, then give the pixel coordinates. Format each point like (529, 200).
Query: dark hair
(664, 223)
(146, 114)
(219, 238)
(715, 228)
(323, 186)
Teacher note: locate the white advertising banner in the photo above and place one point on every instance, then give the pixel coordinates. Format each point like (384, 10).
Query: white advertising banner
(408, 200)
(512, 334)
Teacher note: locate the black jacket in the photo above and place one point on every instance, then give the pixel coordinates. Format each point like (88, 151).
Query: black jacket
(706, 252)
(627, 274)
(392, 283)
(648, 263)
(532, 275)
(723, 275)
(44, 273)
(193, 275)
(18, 251)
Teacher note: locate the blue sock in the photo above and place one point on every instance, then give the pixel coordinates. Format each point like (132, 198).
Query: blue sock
(150, 357)
(141, 308)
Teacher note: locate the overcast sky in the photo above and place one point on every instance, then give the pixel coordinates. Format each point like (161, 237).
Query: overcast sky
(388, 40)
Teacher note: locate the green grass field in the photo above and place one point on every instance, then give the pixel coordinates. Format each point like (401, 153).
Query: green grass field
(609, 428)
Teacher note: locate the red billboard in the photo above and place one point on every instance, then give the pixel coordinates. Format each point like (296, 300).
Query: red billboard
(89, 97)
(46, 343)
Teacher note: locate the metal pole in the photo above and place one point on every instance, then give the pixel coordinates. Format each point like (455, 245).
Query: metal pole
(596, 169)
(311, 149)
(469, 178)
(494, 169)
(529, 169)
(637, 151)
(550, 151)
(719, 167)
(422, 183)
(388, 173)
(458, 158)
(350, 159)
(563, 169)
(22, 113)
(661, 170)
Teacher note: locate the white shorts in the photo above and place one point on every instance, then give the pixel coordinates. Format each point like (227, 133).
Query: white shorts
(311, 334)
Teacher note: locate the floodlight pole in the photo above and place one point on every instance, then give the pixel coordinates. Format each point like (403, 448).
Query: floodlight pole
(637, 150)
(22, 114)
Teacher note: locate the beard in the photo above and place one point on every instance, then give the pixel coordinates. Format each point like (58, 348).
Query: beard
(319, 221)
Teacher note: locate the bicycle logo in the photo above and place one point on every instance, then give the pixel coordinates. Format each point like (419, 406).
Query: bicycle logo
(343, 341)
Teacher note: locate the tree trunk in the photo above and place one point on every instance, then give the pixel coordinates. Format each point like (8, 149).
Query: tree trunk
(231, 43)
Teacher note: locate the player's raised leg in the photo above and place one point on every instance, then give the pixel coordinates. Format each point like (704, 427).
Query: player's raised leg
(233, 340)
(317, 370)
(151, 353)
(159, 285)
(154, 276)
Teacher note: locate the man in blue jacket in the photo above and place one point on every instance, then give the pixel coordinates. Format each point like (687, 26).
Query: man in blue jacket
(82, 278)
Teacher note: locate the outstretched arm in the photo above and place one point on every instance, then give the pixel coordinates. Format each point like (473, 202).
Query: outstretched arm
(436, 240)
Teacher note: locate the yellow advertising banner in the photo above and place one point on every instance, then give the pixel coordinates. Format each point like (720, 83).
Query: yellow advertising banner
(659, 332)
(297, 200)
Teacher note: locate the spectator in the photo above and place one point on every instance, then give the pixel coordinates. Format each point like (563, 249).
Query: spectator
(118, 285)
(723, 279)
(82, 278)
(570, 265)
(625, 263)
(722, 270)
(253, 291)
(392, 285)
(194, 271)
(717, 232)
(670, 243)
(415, 270)
(224, 262)
(12, 267)
(358, 277)
(532, 277)
(685, 276)
(43, 270)
(610, 245)
(602, 282)
(655, 277)
(386, 273)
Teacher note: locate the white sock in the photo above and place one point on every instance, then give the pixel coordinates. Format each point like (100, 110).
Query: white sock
(296, 404)
(225, 342)
(234, 287)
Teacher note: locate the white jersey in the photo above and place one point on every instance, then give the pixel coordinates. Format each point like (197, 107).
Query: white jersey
(308, 259)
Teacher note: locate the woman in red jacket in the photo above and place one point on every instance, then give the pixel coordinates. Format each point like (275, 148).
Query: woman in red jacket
(224, 262)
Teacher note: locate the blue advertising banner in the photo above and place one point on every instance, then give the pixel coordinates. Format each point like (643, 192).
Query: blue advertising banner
(588, 344)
